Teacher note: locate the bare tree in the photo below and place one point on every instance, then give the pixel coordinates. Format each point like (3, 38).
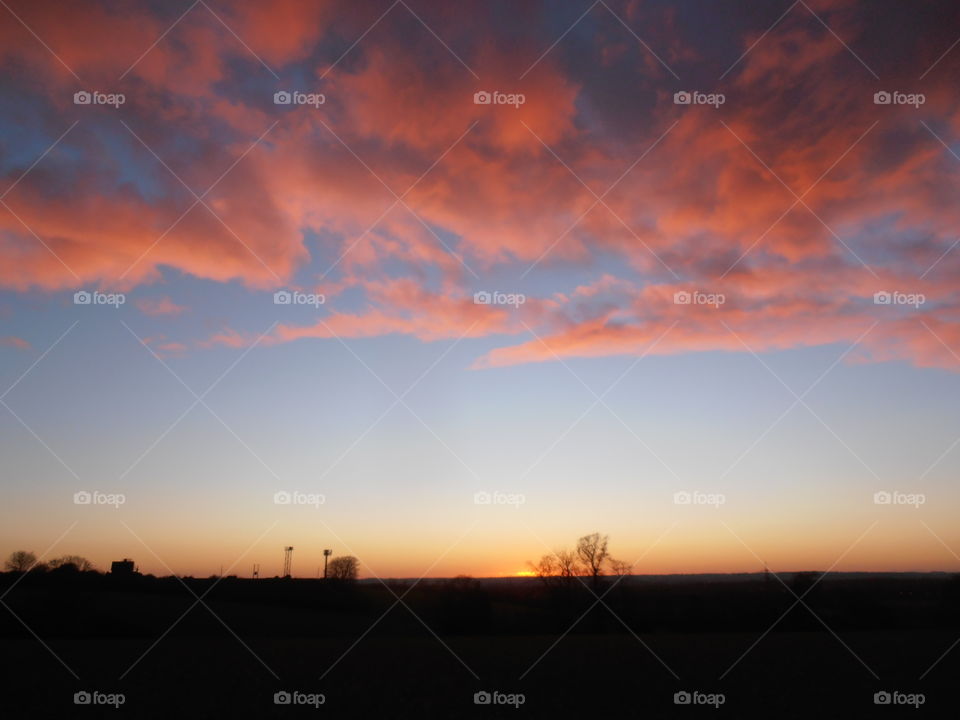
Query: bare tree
(587, 559)
(619, 567)
(592, 552)
(560, 565)
(80, 563)
(568, 565)
(546, 569)
(20, 561)
(344, 567)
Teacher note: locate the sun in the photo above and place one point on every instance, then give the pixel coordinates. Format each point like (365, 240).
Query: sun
(524, 573)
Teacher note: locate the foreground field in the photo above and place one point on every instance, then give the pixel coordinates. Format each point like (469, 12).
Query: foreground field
(373, 661)
(788, 675)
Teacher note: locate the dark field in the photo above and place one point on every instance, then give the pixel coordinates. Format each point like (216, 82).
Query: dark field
(895, 627)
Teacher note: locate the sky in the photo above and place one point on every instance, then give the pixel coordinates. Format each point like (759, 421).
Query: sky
(446, 286)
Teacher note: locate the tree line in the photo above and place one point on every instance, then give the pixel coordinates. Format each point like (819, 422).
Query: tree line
(343, 567)
(587, 559)
(22, 561)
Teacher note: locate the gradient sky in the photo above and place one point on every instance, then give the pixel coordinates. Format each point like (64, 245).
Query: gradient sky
(400, 398)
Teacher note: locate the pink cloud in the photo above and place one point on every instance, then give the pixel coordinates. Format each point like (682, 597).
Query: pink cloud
(159, 306)
(14, 342)
(706, 208)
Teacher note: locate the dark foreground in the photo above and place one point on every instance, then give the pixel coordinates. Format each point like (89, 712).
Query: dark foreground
(626, 657)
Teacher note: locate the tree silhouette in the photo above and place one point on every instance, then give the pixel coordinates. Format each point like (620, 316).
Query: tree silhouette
(20, 561)
(619, 567)
(592, 552)
(76, 561)
(567, 564)
(558, 568)
(343, 568)
(546, 568)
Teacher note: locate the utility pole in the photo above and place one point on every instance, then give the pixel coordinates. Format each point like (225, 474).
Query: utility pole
(287, 560)
(326, 555)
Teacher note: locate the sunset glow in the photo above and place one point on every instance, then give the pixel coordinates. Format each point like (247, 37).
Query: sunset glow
(448, 294)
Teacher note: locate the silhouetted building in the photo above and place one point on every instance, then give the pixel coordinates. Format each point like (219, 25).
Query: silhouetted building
(122, 567)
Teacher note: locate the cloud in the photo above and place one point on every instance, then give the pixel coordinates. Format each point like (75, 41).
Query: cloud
(14, 342)
(598, 197)
(159, 306)
(172, 348)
